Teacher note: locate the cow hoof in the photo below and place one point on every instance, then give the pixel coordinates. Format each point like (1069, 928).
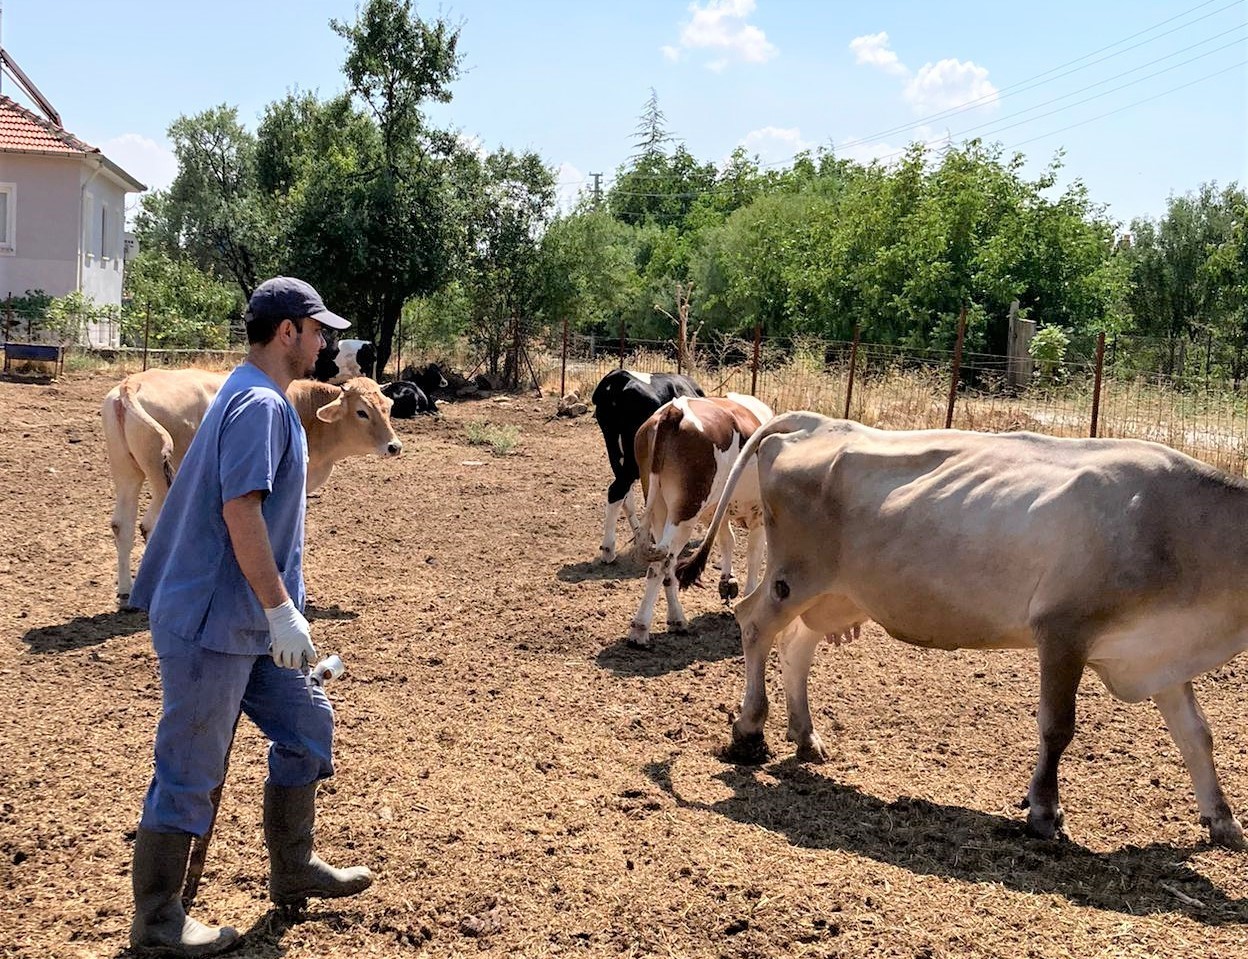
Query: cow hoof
(605, 555)
(680, 626)
(728, 590)
(1226, 832)
(639, 636)
(1046, 825)
(812, 751)
(749, 749)
(123, 601)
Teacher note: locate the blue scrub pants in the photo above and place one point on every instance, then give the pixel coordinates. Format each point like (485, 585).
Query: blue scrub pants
(203, 692)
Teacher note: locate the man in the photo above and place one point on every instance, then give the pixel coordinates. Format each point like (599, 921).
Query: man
(222, 580)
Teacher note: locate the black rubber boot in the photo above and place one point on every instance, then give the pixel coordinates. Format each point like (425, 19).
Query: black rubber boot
(161, 926)
(297, 873)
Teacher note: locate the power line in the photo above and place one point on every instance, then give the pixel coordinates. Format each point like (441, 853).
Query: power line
(1028, 84)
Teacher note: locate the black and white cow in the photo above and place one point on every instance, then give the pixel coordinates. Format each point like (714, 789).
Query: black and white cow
(429, 378)
(623, 400)
(409, 400)
(344, 360)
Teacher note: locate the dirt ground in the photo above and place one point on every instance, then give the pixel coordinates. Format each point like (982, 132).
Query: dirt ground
(524, 784)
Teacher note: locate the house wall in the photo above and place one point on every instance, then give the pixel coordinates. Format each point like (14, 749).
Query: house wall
(69, 230)
(45, 232)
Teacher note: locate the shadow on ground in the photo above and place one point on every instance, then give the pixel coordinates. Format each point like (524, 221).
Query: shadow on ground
(926, 838)
(83, 631)
(712, 637)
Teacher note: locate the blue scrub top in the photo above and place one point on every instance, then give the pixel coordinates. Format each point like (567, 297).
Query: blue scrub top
(250, 440)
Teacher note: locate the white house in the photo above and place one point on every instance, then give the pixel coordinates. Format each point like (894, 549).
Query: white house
(62, 210)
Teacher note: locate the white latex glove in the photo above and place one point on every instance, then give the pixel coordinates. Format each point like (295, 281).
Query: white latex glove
(290, 638)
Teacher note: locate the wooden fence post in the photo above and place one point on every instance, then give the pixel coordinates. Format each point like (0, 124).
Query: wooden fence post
(758, 336)
(147, 327)
(563, 362)
(957, 368)
(1096, 383)
(853, 365)
(621, 343)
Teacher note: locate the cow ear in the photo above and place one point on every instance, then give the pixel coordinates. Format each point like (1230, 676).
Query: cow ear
(333, 410)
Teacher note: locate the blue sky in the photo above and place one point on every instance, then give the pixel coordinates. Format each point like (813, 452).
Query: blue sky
(1164, 84)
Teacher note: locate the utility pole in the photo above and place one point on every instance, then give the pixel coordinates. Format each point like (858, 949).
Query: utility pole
(597, 189)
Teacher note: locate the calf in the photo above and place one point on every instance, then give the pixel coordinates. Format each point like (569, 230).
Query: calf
(150, 418)
(409, 400)
(685, 452)
(1121, 555)
(623, 400)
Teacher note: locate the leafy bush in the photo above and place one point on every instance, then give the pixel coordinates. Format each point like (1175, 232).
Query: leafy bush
(1048, 349)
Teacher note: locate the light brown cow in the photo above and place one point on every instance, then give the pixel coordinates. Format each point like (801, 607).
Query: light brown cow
(684, 454)
(151, 417)
(1120, 555)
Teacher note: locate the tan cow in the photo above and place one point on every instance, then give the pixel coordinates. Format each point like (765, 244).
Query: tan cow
(151, 417)
(684, 453)
(1124, 556)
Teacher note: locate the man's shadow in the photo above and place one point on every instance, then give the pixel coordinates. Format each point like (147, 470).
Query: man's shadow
(926, 838)
(84, 631)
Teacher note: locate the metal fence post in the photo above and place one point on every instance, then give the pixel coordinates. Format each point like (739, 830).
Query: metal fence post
(758, 336)
(957, 368)
(563, 361)
(1096, 383)
(853, 364)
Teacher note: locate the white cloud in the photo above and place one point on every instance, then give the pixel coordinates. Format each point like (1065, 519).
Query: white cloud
(670, 52)
(719, 26)
(873, 49)
(146, 160)
(949, 83)
(934, 87)
(775, 144)
(570, 183)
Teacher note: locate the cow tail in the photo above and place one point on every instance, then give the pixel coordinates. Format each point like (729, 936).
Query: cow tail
(130, 401)
(689, 570)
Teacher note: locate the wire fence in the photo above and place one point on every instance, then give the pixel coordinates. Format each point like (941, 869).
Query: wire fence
(1188, 395)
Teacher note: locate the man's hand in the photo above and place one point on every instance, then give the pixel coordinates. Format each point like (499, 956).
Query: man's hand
(290, 638)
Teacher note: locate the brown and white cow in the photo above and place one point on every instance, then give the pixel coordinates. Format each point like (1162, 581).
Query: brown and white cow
(151, 417)
(1124, 556)
(684, 454)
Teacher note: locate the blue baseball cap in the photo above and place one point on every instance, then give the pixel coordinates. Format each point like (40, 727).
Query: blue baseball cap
(286, 298)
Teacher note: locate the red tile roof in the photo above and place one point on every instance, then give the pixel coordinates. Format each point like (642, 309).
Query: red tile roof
(22, 131)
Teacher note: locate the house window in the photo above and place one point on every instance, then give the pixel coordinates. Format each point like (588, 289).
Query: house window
(8, 217)
(104, 250)
(87, 222)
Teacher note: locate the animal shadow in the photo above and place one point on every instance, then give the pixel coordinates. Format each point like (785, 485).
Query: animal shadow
(711, 637)
(591, 570)
(927, 838)
(83, 631)
(335, 612)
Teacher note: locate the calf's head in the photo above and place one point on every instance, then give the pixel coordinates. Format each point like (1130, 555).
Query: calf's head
(362, 415)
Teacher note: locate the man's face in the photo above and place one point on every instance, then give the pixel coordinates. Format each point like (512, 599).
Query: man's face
(310, 336)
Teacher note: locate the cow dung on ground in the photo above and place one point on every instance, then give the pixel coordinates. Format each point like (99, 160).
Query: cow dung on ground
(526, 785)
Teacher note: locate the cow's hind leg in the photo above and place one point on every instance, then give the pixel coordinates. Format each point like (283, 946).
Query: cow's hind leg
(1061, 668)
(660, 574)
(128, 481)
(763, 614)
(1191, 734)
(755, 548)
(797, 644)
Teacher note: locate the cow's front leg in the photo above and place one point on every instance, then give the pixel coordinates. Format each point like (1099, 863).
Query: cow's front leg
(727, 542)
(797, 644)
(1191, 734)
(1061, 668)
(660, 575)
